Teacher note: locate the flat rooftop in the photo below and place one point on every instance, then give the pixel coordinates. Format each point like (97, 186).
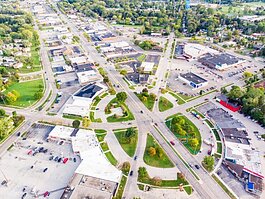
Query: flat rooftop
(224, 119)
(89, 90)
(221, 59)
(191, 77)
(243, 155)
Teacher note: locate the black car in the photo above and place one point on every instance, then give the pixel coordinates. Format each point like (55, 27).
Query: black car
(59, 160)
(74, 159)
(51, 158)
(18, 134)
(141, 111)
(24, 195)
(44, 170)
(197, 166)
(131, 173)
(135, 157)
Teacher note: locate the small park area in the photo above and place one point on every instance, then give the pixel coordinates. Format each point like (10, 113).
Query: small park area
(27, 93)
(185, 131)
(154, 155)
(164, 104)
(128, 140)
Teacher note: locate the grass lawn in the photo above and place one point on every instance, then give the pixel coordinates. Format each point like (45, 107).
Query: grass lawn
(216, 134)
(209, 123)
(128, 147)
(219, 147)
(140, 187)
(101, 137)
(104, 146)
(180, 101)
(185, 97)
(99, 131)
(164, 104)
(27, 91)
(188, 189)
(92, 117)
(183, 139)
(164, 183)
(149, 103)
(141, 58)
(156, 161)
(112, 118)
(121, 188)
(111, 158)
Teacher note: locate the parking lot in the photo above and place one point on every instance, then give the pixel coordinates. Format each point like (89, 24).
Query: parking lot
(29, 170)
(153, 58)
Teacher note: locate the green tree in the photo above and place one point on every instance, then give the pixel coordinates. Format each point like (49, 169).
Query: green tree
(152, 151)
(76, 124)
(121, 97)
(2, 112)
(86, 122)
(208, 163)
(194, 142)
(123, 72)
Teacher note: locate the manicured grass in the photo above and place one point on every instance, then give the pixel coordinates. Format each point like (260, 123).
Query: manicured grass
(224, 187)
(100, 137)
(121, 188)
(140, 187)
(180, 101)
(128, 147)
(199, 96)
(164, 104)
(180, 157)
(99, 131)
(184, 139)
(164, 183)
(92, 117)
(209, 123)
(111, 158)
(104, 146)
(156, 161)
(72, 117)
(141, 58)
(185, 97)
(188, 189)
(123, 118)
(27, 91)
(219, 147)
(216, 134)
(149, 103)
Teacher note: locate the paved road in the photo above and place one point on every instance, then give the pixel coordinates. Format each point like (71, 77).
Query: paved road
(206, 188)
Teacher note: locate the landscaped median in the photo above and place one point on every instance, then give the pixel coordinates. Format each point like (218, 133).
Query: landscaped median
(154, 155)
(116, 103)
(100, 134)
(185, 131)
(128, 139)
(164, 104)
(179, 183)
(148, 99)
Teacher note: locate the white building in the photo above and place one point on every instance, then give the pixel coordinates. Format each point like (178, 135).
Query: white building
(147, 66)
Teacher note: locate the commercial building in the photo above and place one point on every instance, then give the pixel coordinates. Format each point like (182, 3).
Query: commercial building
(80, 102)
(86, 73)
(221, 61)
(147, 66)
(94, 167)
(193, 80)
(240, 157)
(192, 51)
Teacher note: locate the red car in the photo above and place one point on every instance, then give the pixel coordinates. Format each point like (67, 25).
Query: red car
(30, 152)
(171, 142)
(65, 160)
(47, 193)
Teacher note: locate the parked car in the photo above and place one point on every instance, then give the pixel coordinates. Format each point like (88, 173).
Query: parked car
(59, 160)
(24, 195)
(197, 166)
(18, 134)
(131, 173)
(51, 158)
(44, 170)
(65, 160)
(74, 159)
(46, 194)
